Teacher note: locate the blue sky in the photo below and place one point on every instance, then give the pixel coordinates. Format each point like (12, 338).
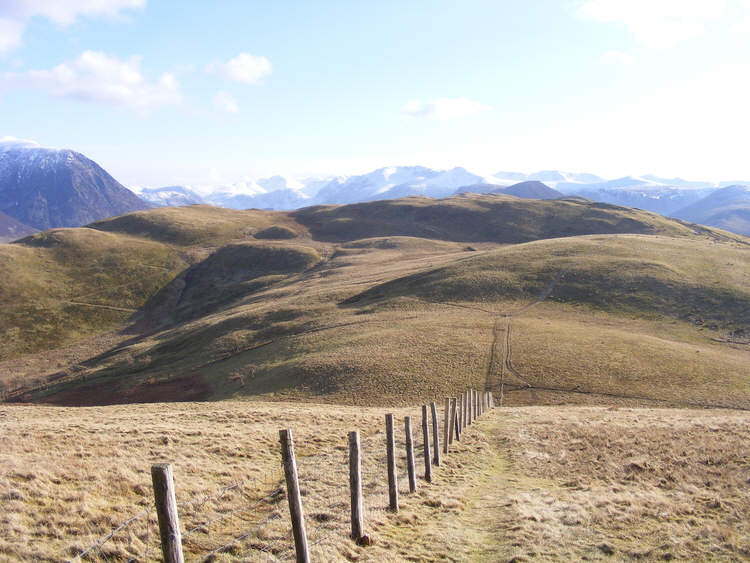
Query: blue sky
(163, 92)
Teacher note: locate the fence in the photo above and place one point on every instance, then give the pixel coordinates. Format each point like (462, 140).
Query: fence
(328, 496)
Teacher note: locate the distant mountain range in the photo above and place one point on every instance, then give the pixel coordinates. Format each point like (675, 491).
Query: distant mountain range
(42, 188)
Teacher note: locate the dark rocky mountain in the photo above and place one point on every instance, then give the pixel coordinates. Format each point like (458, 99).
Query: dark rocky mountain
(46, 188)
(727, 208)
(10, 229)
(531, 189)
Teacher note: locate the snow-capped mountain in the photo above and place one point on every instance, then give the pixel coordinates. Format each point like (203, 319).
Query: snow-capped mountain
(43, 188)
(550, 177)
(169, 196)
(638, 192)
(275, 192)
(397, 181)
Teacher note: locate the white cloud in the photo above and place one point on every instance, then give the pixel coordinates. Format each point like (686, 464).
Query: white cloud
(443, 108)
(224, 101)
(656, 24)
(245, 68)
(12, 142)
(15, 14)
(98, 77)
(619, 56)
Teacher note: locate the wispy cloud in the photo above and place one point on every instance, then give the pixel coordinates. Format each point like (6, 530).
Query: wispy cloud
(15, 14)
(656, 24)
(443, 108)
(224, 101)
(245, 68)
(99, 77)
(619, 56)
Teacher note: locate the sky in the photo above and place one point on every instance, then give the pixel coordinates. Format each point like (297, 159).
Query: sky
(163, 92)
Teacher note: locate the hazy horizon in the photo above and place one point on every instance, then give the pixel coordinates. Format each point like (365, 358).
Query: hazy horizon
(165, 93)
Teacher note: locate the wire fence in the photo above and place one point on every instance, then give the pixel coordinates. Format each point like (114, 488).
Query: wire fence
(249, 519)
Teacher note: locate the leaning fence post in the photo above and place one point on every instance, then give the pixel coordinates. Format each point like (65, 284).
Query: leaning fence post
(294, 496)
(435, 437)
(426, 437)
(355, 486)
(166, 511)
(410, 456)
(392, 477)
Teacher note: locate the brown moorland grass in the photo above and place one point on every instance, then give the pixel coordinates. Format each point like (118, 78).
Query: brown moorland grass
(550, 483)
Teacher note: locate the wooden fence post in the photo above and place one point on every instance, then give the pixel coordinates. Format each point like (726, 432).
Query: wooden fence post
(166, 511)
(460, 410)
(392, 477)
(294, 496)
(435, 436)
(466, 409)
(410, 456)
(457, 426)
(452, 420)
(471, 406)
(426, 437)
(355, 486)
(446, 424)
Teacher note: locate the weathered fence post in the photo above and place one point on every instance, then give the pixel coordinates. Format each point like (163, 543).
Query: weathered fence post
(457, 425)
(471, 406)
(426, 436)
(452, 420)
(355, 486)
(466, 409)
(410, 456)
(446, 424)
(294, 496)
(392, 477)
(435, 436)
(166, 511)
(460, 410)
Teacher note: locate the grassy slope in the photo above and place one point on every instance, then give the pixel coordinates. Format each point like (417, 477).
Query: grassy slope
(61, 285)
(387, 319)
(473, 218)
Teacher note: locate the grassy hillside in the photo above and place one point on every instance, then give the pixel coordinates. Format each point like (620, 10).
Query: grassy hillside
(215, 310)
(62, 285)
(644, 276)
(475, 218)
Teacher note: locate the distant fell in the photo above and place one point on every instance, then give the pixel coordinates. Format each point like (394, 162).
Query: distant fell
(727, 208)
(46, 188)
(531, 189)
(479, 218)
(10, 229)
